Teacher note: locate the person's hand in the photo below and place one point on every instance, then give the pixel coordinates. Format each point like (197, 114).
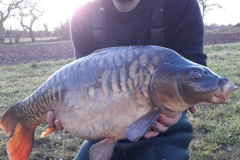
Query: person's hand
(50, 119)
(163, 123)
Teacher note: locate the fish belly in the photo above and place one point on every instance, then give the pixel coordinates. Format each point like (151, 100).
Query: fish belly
(100, 116)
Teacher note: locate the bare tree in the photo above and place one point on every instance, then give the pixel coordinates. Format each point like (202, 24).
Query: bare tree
(30, 11)
(207, 6)
(47, 33)
(63, 30)
(6, 8)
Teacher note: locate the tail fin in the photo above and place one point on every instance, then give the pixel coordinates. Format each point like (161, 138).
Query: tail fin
(21, 136)
(9, 120)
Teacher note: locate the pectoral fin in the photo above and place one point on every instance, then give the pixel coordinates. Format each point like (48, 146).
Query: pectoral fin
(140, 127)
(102, 150)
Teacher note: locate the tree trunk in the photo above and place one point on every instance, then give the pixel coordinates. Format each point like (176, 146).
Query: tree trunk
(1, 33)
(31, 35)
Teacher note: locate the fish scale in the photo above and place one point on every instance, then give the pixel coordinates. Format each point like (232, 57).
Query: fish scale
(113, 94)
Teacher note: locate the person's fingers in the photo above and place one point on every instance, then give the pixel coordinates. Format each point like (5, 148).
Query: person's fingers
(150, 134)
(58, 124)
(156, 129)
(168, 122)
(50, 117)
(64, 131)
(159, 127)
(193, 109)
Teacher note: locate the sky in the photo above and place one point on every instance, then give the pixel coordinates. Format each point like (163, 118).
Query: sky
(60, 10)
(229, 15)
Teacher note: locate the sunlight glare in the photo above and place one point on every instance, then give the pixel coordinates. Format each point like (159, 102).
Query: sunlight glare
(58, 11)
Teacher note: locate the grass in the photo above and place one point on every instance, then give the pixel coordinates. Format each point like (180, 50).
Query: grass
(216, 128)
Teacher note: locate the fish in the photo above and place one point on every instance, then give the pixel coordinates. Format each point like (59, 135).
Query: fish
(112, 94)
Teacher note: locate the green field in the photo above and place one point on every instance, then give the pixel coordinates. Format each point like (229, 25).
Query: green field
(216, 128)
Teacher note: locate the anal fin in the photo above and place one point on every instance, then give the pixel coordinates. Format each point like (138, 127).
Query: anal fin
(140, 127)
(102, 150)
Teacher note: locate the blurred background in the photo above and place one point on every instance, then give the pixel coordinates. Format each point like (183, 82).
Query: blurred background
(50, 18)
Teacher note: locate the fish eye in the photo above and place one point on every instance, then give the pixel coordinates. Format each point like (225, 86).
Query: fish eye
(196, 75)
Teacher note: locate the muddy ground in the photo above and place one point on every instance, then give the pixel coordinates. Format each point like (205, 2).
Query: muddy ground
(14, 54)
(221, 38)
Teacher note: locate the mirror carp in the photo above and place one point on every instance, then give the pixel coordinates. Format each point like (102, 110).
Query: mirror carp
(113, 94)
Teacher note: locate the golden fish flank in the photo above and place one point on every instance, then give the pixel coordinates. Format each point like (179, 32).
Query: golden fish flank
(105, 77)
(141, 99)
(116, 130)
(110, 60)
(95, 126)
(138, 51)
(147, 79)
(42, 99)
(156, 60)
(123, 80)
(129, 83)
(143, 59)
(56, 94)
(91, 92)
(117, 59)
(151, 68)
(114, 82)
(135, 81)
(130, 56)
(59, 93)
(123, 54)
(133, 69)
(140, 77)
(105, 128)
(49, 94)
(144, 90)
(46, 97)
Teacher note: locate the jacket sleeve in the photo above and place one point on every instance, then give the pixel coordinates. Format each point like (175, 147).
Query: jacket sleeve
(81, 32)
(184, 29)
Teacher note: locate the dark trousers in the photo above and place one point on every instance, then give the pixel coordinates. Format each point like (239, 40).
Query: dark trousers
(171, 145)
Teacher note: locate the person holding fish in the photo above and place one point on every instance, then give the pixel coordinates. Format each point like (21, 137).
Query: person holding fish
(128, 99)
(173, 24)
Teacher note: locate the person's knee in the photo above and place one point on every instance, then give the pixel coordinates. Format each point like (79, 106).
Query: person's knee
(83, 153)
(166, 151)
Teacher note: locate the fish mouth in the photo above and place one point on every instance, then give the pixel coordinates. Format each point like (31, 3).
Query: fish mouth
(223, 92)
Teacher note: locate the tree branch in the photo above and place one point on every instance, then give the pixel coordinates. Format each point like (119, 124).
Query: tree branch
(206, 6)
(11, 6)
